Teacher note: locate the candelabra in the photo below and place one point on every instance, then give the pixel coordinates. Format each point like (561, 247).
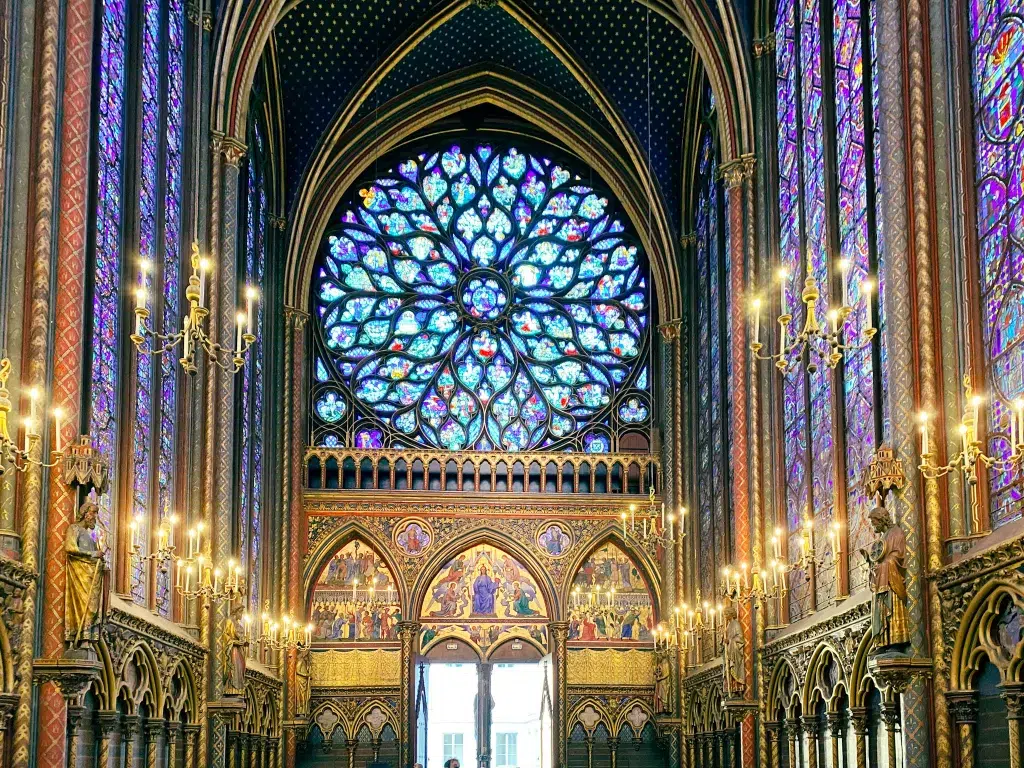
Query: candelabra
(11, 455)
(193, 335)
(164, 552)
(273, 634)
(198, 578)
(647, 531)
(820, 342)
(693, 625)
(971, 454)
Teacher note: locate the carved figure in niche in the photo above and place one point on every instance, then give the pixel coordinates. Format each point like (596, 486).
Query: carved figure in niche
(733, 652)
(303, 674)
(235, 643)
(84, 547)
(662, 685)
(890, 628)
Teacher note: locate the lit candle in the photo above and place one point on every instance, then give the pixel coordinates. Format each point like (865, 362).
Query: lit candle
(743, 571)
(809, 527)
(690, 617)
(611, 597)
(199, 533)
(191, 542)
(188, 578)
(623, 526)
(671, 527)
(775, 574)
(178, 573)
(140, 306)
(976, 412)
(725, 574)
(632, 517)
(844, 270)
(645, 527)
(309, 634)
(778, 543)
(204, 268)
(240, 320)
(834, 540)
(833, 315)
(782, 291)
(216, 578)
(676, 613)
(663, 515)
(757, 321)
(33, 400)
(924, 433)
(965, 432)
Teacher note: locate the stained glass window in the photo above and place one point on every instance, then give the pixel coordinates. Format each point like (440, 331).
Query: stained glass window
(808, 214)
(252, 427)
(711, 295)
(481, 297)
(106, 337)
(997, 66)
(157, 188)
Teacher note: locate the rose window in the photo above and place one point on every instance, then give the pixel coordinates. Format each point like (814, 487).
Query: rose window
(490, 299)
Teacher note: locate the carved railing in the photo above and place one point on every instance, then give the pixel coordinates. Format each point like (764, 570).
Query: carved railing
(481, 471)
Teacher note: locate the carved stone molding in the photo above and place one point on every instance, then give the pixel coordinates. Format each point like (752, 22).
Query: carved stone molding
(894, 673)
(72, 676)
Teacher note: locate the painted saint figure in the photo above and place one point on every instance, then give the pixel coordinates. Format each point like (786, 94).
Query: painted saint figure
(484, 589)
(887, 562)
(83, 591)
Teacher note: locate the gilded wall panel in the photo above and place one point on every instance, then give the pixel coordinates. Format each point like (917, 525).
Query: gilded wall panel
(356, 668)
(593, 667)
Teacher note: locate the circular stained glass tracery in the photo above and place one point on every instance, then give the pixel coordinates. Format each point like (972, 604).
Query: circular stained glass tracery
(483, 299)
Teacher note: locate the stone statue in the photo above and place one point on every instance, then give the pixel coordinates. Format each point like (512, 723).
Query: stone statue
(886, 560)
(303, 675)
(235, 643)
(662, 685)
(84, 547)
(733, 654)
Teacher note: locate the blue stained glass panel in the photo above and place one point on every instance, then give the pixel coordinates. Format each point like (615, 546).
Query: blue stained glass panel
(480, 298)
(997, 67)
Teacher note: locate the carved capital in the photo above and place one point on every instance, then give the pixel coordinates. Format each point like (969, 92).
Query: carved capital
(278, 222)
(764, 45)
(671, 330)
(1013, 695)
(859, 720)
(231, 148)
(687, 240)
(809, 724)
(894, 673)
(736, 172)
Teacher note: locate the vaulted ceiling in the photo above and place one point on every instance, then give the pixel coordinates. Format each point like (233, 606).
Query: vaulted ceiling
(644, 65)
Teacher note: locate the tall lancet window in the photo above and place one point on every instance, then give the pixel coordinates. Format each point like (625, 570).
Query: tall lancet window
(143, 105)
(253, 382)
(996, 30)
(826, 110)
(711, 291)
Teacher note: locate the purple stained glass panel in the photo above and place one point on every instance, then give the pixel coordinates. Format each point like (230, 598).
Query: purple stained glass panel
(997, 66)
(105, 341)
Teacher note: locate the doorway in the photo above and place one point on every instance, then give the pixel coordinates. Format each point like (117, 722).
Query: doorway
(451, 691)
(517, 735)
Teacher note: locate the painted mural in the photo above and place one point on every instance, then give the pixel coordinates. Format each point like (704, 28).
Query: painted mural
(483, 595)
(355, 599)
(610, 603)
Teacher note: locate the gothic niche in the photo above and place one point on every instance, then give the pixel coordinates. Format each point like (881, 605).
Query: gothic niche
(355, 599)
(483, 596)
(610, 604)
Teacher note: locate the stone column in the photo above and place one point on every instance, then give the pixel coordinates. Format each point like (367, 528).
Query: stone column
(793, 736)
(558, 637)
(8, 704)
(484, 710)
(963, 707)
(351, 744)
(836, 728)
(191, 738)
(408, 634)
(155, 739)
(859, 717)
(590, 750)
(613, 748)
(109, 727)
(1013, 695)
(771, 731)
(74, 721)
(129, 728)
(891, 718)
(810, 727)
(175, 739)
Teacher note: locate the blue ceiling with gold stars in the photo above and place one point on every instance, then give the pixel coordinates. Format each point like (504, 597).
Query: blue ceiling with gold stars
(326, 48)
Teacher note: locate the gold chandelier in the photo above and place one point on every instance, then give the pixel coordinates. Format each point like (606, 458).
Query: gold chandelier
(827, 343)
(193, 335)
